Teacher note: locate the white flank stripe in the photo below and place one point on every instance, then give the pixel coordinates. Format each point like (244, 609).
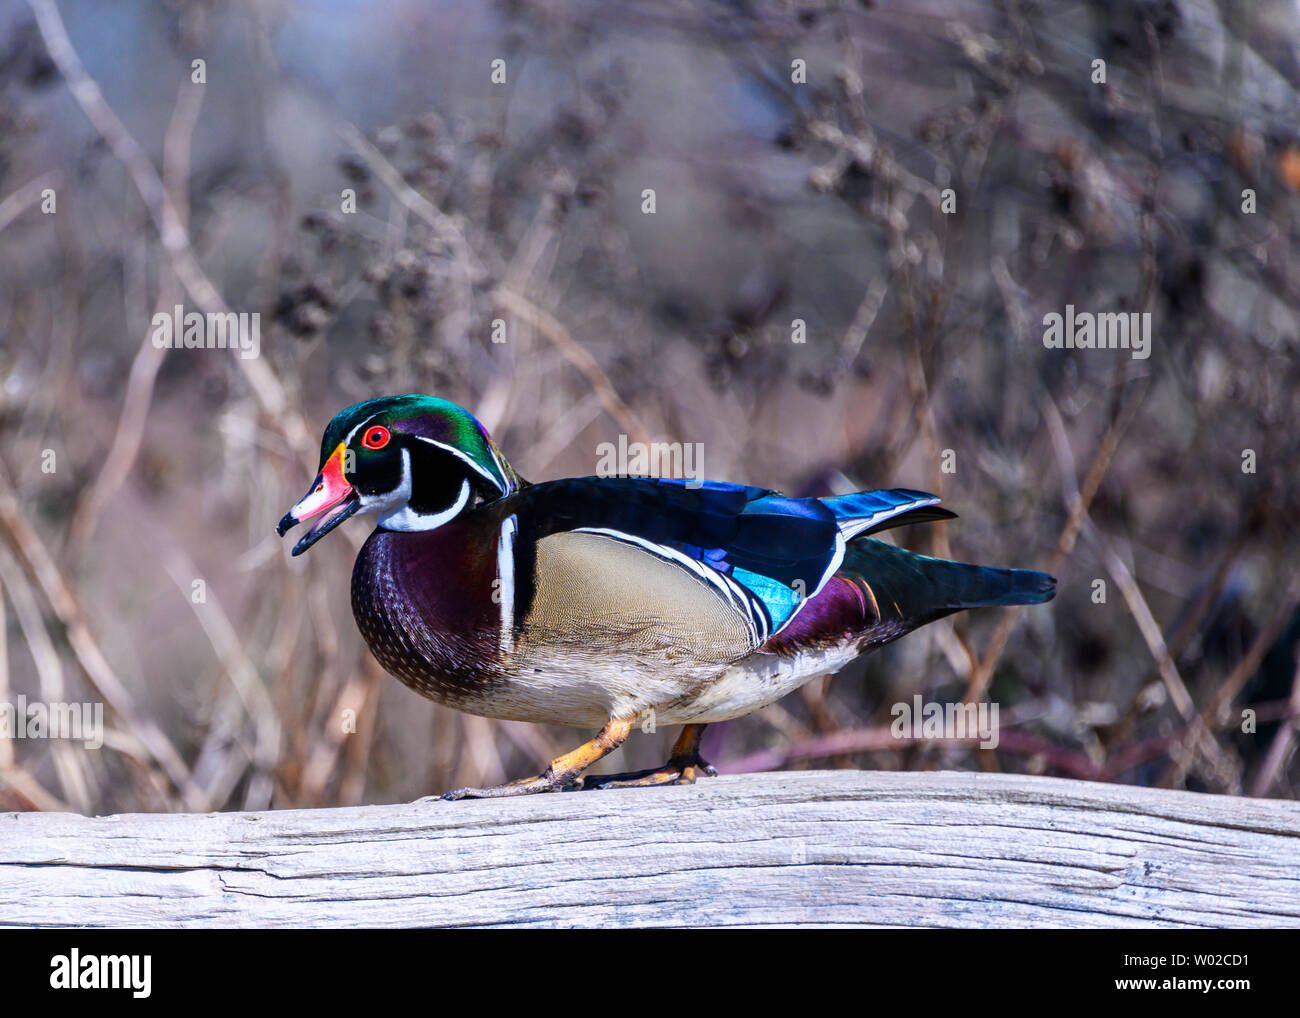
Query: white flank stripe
(743, 600)
(840, 545)
(506, 588)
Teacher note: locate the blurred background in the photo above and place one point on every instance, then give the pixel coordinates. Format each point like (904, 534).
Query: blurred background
(799, 154)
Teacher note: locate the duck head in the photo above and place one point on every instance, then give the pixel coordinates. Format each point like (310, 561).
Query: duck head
(414, 461)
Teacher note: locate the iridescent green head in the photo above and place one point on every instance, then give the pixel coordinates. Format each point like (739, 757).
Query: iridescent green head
(415, 461)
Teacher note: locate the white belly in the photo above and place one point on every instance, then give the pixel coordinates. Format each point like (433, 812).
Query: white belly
(584, 690)
(755, 682)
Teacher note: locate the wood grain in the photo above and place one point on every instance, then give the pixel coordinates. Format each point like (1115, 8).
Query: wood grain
(824, 848)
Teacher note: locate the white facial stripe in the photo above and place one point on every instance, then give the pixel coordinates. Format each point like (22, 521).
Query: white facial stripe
(348, 439)
(500, 468)
(394, 507)
(506, 588)
(496, 481)
(391, 505)
(406, 519)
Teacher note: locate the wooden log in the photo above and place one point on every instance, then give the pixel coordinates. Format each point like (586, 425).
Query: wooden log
(824, 848)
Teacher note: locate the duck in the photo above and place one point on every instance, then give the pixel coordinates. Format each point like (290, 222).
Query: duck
(614, 602)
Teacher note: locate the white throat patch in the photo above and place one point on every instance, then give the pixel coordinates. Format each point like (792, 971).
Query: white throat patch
(394, 508)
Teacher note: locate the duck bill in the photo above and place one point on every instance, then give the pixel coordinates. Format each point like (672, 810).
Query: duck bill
(331, 498)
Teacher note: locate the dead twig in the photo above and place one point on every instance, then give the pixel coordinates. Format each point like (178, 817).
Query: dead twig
(175, 239)
(125, 447)
(982, 673)
(68, 764)
(24, 198)
(40, 565)
(576, 354)
(1280, 748)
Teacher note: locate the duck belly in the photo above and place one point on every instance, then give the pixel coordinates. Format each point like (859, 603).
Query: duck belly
(756, 681)
(571, 686)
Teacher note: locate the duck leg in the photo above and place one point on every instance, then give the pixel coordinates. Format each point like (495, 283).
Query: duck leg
(561, 773)
(682, 768)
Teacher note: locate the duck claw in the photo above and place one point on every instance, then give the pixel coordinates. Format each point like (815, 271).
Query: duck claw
(525, 786)
(674, 772)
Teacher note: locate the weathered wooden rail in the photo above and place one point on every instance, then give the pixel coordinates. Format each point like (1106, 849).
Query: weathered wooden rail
(841, 847)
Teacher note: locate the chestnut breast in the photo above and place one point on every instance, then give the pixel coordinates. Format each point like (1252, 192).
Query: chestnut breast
(424, 604)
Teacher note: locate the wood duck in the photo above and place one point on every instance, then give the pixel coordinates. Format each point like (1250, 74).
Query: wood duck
(605, 602)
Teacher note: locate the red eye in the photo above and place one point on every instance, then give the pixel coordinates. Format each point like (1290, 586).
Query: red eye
(376, 437)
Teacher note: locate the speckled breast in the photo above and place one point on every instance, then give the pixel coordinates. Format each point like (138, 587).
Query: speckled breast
(423, 602)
